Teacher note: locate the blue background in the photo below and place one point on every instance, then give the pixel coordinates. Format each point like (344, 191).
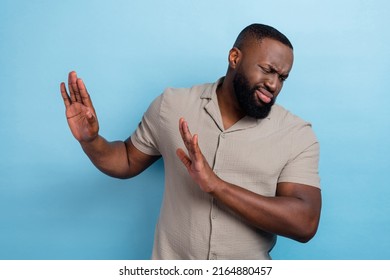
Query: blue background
(54, 204)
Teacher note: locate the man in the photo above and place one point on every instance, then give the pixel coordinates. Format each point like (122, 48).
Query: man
(249, 174)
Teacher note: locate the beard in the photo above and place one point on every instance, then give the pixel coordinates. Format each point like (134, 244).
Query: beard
(247, 99)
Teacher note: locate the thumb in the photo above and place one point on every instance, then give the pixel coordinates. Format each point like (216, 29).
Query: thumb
(90, 117)
(183, 158)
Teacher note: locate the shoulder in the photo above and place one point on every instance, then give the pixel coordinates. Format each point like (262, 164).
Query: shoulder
(291, 124)
(174, 103)
(183, 99)
(180, 95)
(284, 118)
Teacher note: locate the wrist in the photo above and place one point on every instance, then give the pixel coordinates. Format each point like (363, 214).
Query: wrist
(90, 143)
(215, 185)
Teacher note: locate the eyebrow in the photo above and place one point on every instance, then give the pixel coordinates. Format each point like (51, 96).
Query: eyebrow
(273, 69)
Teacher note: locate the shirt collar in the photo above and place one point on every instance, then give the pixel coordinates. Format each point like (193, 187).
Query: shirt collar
(212, 108)
(211, 93)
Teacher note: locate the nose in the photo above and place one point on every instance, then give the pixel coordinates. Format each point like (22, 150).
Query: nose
(272, 83)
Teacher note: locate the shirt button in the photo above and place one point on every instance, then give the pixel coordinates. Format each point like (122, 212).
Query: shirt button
(213, 256)
(223, 135)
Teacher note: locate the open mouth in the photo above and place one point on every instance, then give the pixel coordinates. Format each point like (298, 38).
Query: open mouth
(264, 95)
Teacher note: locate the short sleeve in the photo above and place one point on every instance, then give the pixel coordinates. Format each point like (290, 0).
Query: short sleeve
(302, 166)
(145, 137)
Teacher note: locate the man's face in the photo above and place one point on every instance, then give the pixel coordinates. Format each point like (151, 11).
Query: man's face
(260, 75)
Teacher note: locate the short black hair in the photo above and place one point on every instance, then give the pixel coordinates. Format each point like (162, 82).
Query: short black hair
(258, 32)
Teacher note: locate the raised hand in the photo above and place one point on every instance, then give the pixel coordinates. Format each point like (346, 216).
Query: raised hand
(195, 162)
(80, 113)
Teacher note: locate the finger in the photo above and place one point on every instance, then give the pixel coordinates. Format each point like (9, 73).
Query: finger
(185, 133)
(85, 98)
(71, 79)
(184, 158)
(196, 152)
(181, 120)
(73, 88)
(65, 95)
(77, 93)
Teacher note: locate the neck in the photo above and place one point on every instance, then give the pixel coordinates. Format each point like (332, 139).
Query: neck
(228, 105)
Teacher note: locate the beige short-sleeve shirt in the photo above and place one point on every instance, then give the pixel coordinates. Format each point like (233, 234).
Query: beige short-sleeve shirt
(254, 154)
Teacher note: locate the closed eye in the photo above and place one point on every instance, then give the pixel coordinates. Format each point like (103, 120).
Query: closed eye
(266, 70)
(283, 78)
(270, 70)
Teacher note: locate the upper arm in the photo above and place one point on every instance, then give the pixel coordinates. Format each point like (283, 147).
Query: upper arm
(307, 208)
(138, 161)
(302, 165)
(142, 146)
(308, 194)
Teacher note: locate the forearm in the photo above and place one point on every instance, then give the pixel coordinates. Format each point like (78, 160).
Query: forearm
(109, 157)
(282, 215)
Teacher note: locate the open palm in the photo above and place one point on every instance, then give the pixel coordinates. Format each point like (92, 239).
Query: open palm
(80, 112)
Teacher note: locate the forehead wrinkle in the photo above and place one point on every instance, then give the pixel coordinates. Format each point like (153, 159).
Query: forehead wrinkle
(277, 70)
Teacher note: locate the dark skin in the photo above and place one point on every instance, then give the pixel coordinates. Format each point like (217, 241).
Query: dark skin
(295, 210)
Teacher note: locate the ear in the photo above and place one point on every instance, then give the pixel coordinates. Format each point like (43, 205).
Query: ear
(234, 57)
